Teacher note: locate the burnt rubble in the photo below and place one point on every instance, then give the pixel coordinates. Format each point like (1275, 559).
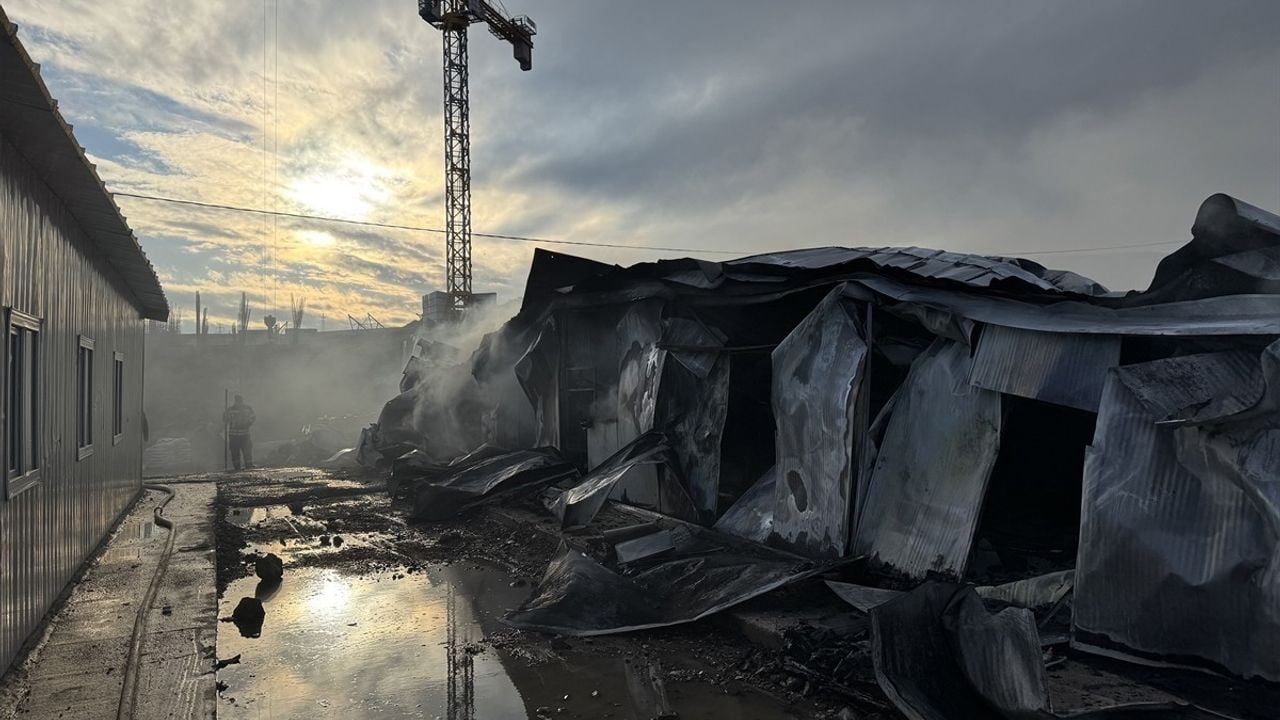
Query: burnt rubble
(984, 456)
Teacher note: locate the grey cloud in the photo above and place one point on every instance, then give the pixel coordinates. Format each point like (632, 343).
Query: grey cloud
(988, 125)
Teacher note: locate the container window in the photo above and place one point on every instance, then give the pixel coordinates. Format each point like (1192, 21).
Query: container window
(84, 398)
(23, 391)
(117, 398)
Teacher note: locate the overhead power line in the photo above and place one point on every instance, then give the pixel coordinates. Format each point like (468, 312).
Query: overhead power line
(581, 243)
(1103, 248)
(414, 228)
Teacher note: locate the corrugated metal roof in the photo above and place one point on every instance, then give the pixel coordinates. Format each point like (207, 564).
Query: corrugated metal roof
(977, 271)
(29, 118)
(1226, 315)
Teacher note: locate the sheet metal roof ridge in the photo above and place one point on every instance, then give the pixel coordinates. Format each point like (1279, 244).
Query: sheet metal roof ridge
(913, 258)
(140, 277)
(920, 266)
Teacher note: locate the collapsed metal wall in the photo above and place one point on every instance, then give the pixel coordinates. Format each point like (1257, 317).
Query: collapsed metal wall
(48, 271)
(1181, 523)
(1011, 341)
(931, 471)
(817, 381)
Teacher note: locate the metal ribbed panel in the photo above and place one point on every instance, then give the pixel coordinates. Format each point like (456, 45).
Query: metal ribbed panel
(931, 473)
(34, 126)
(975, 271)
(1059, 368)
(1178, 536)
(817, 380)
(51, 270)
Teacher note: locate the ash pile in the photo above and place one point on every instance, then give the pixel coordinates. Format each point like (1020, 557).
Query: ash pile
(989, 462)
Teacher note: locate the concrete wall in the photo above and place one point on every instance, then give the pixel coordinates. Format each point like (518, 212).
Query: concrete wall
(50, 270)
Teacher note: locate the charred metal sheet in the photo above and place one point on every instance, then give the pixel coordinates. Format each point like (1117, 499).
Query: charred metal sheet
(817, 374)
(1230, 315)
(939, 654)
(939, 322)
(639, 369)
(999, 654)
(1210, 388)
(862, 597)
(539, 374)
(751, 517)
(443, 491)
(578, 505)
(693, 344)
(1032, 593)
(1147, 711)
(931, 471)
(645, 546)
(1222, 257)
(1206, 385)
(976, 271)
(698, 406)
(1180, 526)
(1262, 265)
(691, 401)
(1057, 368)
(579, 596)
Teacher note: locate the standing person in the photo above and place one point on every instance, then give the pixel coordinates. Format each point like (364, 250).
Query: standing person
(238, 419)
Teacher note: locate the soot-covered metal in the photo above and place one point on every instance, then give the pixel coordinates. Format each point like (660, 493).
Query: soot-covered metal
(908, 419)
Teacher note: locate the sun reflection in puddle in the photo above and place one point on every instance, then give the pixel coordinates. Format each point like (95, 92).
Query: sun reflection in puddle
(411, 645)
(331, 596)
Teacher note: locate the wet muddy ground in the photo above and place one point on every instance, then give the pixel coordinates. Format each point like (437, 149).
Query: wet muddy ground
(381, 617)
(378, 616)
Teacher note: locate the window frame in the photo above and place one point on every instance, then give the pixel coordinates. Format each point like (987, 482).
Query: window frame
(28, 475)
(84, 397)
(117, 398)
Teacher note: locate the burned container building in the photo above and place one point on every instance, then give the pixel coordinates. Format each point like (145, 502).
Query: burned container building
(76, 289)
(927, 415)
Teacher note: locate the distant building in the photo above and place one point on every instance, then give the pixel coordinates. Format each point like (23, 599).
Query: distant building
(76, 289)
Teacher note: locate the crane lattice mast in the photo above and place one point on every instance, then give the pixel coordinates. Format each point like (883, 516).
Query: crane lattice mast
(453, 17)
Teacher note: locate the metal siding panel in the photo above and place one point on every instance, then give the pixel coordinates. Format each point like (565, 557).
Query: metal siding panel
(51, 270)
(1058, 368)
(1178, 530)
(54, 156)
(817, 377)
(931, 472)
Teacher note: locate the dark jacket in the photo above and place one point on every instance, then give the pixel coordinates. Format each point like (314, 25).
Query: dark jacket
(238, 418)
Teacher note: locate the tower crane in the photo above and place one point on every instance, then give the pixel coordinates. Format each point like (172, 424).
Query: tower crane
(452, 18)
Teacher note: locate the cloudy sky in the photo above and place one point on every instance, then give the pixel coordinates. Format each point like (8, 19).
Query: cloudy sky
(721, 126)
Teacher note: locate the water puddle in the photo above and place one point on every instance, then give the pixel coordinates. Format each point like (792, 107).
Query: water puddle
(129, 540)
(336, 645)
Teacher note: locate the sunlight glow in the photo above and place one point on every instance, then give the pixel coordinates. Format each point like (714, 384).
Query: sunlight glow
(316, 238)
(331, 596)
(351, 189)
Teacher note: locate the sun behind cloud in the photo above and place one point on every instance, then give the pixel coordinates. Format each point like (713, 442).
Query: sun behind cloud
(351, 189)
(316, 238)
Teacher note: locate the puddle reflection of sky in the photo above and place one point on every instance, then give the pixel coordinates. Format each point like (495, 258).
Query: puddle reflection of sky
(335, 645)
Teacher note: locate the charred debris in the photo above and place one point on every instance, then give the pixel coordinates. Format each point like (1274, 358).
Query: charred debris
(983, 456)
